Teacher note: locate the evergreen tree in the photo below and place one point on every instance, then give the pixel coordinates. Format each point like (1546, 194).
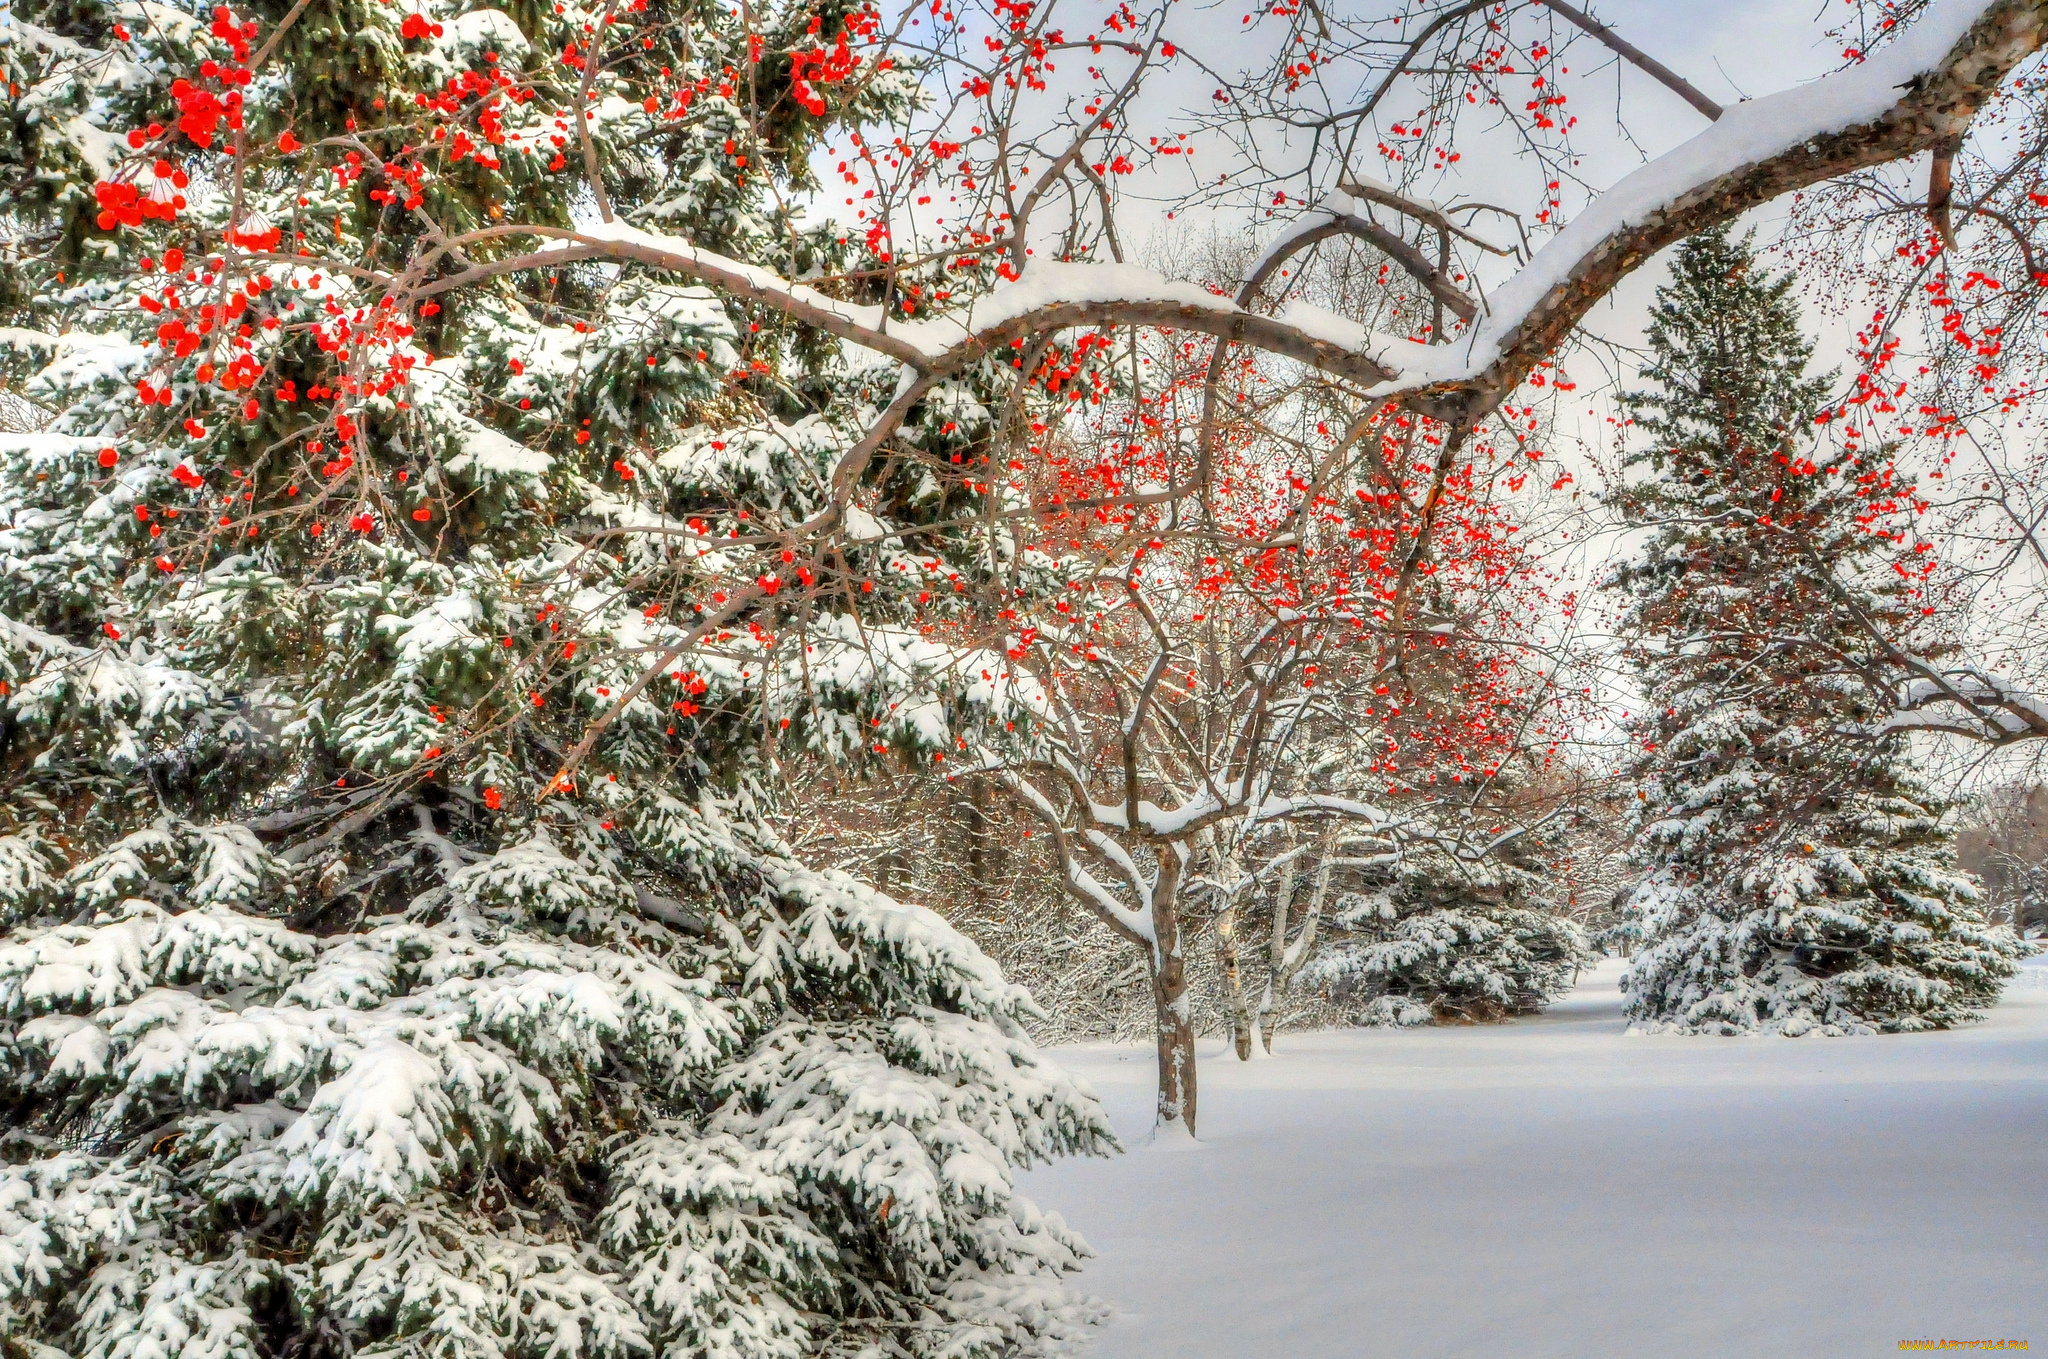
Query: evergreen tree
(1798, 878)
(1453, 926)
(345, 1009)
(1438, 937)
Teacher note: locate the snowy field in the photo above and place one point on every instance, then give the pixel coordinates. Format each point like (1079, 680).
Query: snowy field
(1555, 1188)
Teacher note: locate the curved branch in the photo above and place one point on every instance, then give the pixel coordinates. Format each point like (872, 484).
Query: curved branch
(1911, 96)
(1053, 296)
(1384, 239)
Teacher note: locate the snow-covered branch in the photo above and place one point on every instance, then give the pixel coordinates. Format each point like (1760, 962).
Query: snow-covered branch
(1916, 93)
(1966, 702)
(1049, 296)
(1132, 923)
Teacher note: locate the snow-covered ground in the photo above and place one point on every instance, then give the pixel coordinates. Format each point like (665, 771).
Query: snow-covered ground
(1555, 1188)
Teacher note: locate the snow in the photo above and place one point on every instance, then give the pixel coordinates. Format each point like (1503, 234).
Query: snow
(1554, 1188)
(478, 31)
(862, 527)
(2001, 709)
(721, 268)
(103, 68)
(493, 452)
(448, 624)
(1043, 284)
(1052, 283)
(1321, 324)
(100, 149)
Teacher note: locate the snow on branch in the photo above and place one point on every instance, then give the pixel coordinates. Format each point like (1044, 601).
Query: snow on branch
(1135, 924)
(1344, 808)
(1049, 296)
(1969, 703)
(1912, 95)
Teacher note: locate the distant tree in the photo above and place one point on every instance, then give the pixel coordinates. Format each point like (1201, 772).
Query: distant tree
(1443, 939)
(2004, 841)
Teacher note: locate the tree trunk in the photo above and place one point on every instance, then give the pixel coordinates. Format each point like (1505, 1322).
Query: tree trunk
(975, 808)
(1276, 956)
(1228, 879)
(892, 872)
(1233, 983)
(1288, 959)
(1170, 1000)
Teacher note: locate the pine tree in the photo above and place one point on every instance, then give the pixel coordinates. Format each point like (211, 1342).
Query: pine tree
(1799, 879)
(341, 1011)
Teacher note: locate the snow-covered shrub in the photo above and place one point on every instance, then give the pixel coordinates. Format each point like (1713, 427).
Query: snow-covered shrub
(1441, 939)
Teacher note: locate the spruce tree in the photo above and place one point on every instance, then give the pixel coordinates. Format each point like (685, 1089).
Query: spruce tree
(1435, 937)
(339, 1014)
(1799, 878)
(1453, 926)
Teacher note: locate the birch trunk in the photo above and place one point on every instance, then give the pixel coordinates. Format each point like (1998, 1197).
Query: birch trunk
(1288, 958)
(1233, 983)
(1227, 878)
(1276, 954)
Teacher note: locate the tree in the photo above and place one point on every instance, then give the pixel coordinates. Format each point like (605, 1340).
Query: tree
(1176, 675)
(1798, 878)
(1167, 735)
(349, 1006)
(2004, 841)
(937, 115)
(1290, 944)
(1436, 938)
(1216, 669)
(1457, 930)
